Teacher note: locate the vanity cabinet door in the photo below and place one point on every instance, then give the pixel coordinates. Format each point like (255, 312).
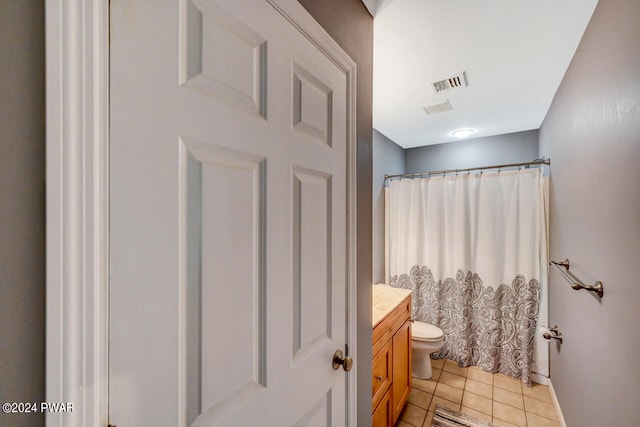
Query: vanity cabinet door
(401, 358)
(383, 415)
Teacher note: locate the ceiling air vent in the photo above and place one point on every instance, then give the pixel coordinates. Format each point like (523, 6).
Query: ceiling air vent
(453, 82)
(438, 108)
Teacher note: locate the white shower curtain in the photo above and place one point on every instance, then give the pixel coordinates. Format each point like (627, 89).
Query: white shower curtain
(473, 248)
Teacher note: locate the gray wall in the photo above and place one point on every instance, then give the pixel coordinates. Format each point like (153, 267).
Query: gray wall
(591, 134)
(350, 24)
(22, 142)
(388, 158)
(491, 150)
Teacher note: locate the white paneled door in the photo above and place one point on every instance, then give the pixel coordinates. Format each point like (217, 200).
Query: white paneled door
(228, 218)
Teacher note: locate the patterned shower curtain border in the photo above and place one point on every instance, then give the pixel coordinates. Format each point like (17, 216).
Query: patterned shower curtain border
(491, 329)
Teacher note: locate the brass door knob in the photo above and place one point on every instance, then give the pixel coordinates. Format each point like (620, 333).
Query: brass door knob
(339, 359)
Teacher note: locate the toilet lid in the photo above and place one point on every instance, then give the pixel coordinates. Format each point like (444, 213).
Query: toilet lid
(421, 331)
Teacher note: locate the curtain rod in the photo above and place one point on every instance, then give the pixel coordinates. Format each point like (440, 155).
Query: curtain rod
(536, 162)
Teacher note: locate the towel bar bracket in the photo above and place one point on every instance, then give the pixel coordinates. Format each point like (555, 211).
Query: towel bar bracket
(553, 333)
(597, 288)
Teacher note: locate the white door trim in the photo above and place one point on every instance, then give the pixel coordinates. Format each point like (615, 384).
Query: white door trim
(77, 210)
(77, 159)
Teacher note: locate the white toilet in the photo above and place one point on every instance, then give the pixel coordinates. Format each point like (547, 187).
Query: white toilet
(425, 339)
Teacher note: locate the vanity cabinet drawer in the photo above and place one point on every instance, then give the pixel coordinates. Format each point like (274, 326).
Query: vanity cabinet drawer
(382, 369)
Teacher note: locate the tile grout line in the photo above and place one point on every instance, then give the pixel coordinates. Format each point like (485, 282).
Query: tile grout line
(493, 387)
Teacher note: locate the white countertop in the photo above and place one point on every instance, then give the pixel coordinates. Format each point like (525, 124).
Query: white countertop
(384, 299)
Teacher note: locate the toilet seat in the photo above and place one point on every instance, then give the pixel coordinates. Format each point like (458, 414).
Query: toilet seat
(421, 331)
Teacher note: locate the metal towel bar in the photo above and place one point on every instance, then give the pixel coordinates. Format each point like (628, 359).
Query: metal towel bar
(576, 283)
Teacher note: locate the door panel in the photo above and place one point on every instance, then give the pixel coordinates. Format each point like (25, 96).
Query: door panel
(222, 57)
(223, 197)
(228, 218)
(311, 243)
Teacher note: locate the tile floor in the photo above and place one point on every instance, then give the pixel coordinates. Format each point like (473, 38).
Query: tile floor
(492, 397)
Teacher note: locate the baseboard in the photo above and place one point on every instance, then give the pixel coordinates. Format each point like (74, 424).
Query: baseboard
(539, 378)
(556, 404)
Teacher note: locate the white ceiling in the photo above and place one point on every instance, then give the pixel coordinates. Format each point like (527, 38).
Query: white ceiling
(514, 54)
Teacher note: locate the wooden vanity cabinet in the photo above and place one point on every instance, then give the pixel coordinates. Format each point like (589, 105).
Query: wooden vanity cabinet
(391, 365)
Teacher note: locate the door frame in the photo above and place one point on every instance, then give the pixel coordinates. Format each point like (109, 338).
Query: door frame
(77, 204)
